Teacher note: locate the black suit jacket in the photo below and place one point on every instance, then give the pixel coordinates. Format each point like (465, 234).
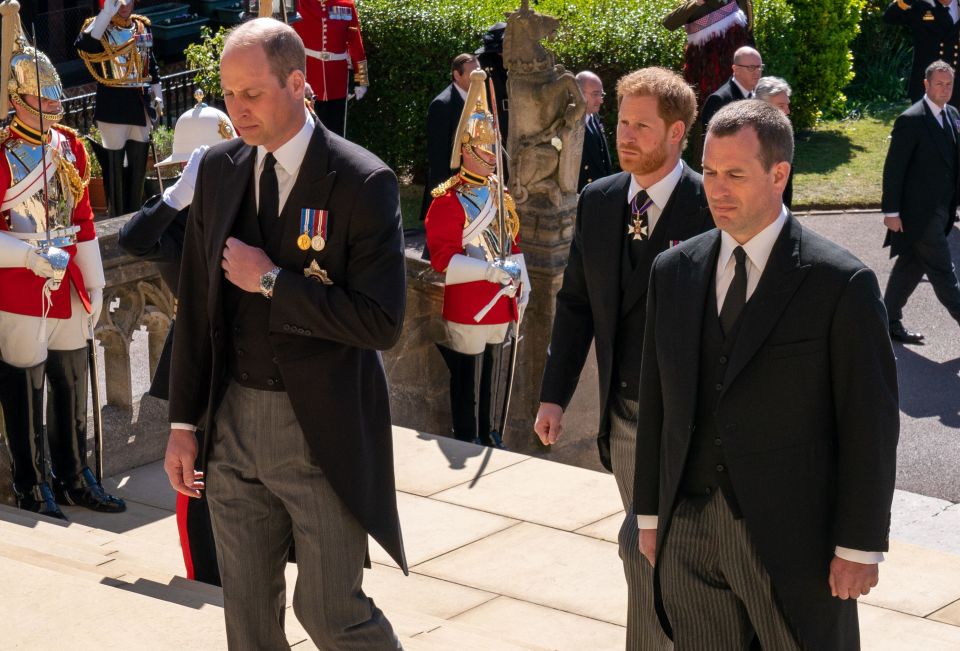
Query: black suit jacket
(595, 162)
(326, 338)
(920, 174)
(729, 92)
(592, 300)
(934, 36)
(156, 233)
(808, 411)
(442, 118)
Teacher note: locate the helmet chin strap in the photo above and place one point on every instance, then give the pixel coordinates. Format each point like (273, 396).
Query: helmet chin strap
(473, 154)
(47, 117)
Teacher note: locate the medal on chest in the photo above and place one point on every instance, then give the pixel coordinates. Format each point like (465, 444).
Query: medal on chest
(313, 229)
(639, 225)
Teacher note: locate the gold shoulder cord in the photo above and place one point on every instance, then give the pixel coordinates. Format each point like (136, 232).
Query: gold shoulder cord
(110, 52)
(512, 218)
(441, 189)
(69, 175)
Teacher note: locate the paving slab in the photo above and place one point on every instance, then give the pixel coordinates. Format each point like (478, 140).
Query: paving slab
(933, 523)
(544, 566)
(391, 589)
(431, 528)
(426, 464)
(544, 492)
(916, 580)
(888, 630)
(146, 484)
(949, 615)
(553, 629)
(606, 529)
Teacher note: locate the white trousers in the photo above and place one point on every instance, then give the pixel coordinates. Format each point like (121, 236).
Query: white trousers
(20, 335)
(114, 136)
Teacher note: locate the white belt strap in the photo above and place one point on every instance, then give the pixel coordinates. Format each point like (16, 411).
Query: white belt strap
(323, 55)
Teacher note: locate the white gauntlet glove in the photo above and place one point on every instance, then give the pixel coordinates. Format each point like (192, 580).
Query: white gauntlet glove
(157, 91)
(359, 91)
(96, 305)
(38, 264)
(180, 195)
(102, 21)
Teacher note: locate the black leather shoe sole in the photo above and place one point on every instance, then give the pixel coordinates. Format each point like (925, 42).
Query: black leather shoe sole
(907, 337)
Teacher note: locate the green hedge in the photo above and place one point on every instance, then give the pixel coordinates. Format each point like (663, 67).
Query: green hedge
(825, 64)
(409, 45)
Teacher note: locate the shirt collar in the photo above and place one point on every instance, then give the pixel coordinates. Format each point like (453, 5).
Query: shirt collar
(744, 91)
(290, 154)
(758, 248)
(660, 191)
(462, 92)
(933, 107)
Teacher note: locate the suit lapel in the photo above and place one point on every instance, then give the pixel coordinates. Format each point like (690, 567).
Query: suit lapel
(237, 165)
(311, 190)
(940, 137)
(603, 246)
(780, 280)
(735, 90)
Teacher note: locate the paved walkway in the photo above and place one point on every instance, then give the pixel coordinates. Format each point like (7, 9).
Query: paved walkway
(506, 552)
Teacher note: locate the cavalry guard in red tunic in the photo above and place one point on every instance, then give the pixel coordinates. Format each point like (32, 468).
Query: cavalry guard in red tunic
(486, 285)
(330, 30)
(51, 289)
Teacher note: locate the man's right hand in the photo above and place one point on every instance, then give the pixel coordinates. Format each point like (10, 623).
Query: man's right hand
(179, 460)
(548, 425)
(648, 545)
(111, 7)
(39, 264)
(895, 224)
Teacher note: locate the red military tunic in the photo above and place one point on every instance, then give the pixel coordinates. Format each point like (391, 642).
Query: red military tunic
(444, 225)
(20, 288)
(330, 30)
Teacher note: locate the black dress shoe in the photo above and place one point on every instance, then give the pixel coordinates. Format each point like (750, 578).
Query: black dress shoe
(901, 334)
(91, 495)
(492, 440)
(40, 500)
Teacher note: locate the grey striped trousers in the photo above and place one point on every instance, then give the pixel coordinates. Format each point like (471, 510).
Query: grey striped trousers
(264, 491)
(715, 589)
(643, 628)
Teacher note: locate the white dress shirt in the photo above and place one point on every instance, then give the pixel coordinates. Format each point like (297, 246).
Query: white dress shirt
(289, 158)
(660, 192)
(747, 94)
(758, 252)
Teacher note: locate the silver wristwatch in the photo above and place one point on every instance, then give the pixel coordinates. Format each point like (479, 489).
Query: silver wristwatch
(267, 281)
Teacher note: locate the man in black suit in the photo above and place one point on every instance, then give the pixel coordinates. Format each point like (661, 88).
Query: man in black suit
(595, 162)
(442, 117)
(747, 68)
(766, 446)
(623, 222)
(919, 200)
(291, 281)
(935, 32)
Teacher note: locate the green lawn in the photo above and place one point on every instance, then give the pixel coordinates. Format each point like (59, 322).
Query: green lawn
(839, 164)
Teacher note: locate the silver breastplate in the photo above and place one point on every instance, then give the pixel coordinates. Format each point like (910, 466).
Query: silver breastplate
(131, 69)
(476, 200)
(30, 216)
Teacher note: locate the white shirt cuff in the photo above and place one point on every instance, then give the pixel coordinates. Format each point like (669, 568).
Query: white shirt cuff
(858, 556)
(186, 426)
(646, 521)
(891, 214)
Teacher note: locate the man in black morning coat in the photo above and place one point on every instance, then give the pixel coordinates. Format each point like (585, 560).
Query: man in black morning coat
(442, 117)
(919, 201)
(747, 69)
(767, 438)
(292, 280)
(603, 296)
(935, 35)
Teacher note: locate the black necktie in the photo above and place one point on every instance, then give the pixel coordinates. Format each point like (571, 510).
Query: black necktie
(736, 294)
(269, 209)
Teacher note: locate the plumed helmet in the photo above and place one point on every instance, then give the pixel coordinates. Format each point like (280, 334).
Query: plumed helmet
(476, 127)
(201, 125)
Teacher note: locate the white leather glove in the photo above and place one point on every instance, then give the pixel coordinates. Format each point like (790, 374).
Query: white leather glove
(157, 91)
(359, 91)
(102, 21)
(180, 195)
(96, 305)
(497, 275)
(38, 264)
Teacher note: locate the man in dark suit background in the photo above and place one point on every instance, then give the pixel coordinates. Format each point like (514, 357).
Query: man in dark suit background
(623, 222)
(935, 33)
(442, 116)
(747, 68)
(766, 446)
(919, 201)
(291, 281)
(595, 162)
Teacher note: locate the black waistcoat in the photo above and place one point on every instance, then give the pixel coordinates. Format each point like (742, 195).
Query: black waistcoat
(706, 470)
(250, 358)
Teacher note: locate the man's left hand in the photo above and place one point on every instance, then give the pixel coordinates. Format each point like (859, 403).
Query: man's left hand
(244, 264)
(850, 580)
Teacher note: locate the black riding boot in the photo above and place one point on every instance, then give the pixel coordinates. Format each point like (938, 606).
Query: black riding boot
(134, 174)
(486, 432)
(67, 431)
(21, 393)
(114, 179)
